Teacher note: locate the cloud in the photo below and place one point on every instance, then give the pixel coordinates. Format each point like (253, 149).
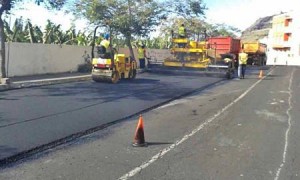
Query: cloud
(243, 13)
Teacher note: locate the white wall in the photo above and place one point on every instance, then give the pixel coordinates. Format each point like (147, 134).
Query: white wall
(30, 59)
(24, 59)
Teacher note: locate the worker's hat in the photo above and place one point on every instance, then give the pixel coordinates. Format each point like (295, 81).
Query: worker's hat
(106, 36)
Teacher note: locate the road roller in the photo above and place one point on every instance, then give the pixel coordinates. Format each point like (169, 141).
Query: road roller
(113, 69)
(110, 66)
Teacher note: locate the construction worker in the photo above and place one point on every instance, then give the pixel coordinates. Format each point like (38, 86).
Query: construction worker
(181, 34)
(243, 57)
(104, 47)
(142, 55)
(182, 31)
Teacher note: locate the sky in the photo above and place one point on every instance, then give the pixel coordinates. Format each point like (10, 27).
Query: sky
(243, 13)
(39, 16)
(237, 13)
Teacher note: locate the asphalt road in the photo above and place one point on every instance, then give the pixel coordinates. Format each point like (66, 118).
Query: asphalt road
(33, 117)
(240, 129)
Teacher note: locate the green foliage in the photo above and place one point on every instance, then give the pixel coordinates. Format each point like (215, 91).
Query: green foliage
(124, 18)
(186, 8)
(127, 17)
(197, 29)
(24, 31)
(55, 4)
(222, 30)
(158, 43)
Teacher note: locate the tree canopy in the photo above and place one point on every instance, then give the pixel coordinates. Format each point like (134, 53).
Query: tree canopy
(138, 18)
(127, 18)
(185, 8)
(124, 16)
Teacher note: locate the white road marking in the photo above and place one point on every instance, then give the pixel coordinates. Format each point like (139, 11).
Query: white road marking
(180, 101)
(288, 129)
(225, 93)
(173, 103)
(270, 115)
(159, 155)
(287, 92)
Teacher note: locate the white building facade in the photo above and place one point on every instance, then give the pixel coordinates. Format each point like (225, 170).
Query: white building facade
(284, 40)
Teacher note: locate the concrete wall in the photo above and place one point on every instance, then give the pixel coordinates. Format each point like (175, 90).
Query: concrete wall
(24, 59)
(29, 59)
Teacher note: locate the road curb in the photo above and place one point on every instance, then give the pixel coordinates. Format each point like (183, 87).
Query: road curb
(43, 82)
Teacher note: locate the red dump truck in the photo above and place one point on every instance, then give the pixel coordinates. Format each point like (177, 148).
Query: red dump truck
(222, 46)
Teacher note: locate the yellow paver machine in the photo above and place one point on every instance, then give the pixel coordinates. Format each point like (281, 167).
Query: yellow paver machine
(190, 57)
(189, 54)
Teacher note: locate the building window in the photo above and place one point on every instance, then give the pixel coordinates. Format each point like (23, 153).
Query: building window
(287, 22)
(286, 36)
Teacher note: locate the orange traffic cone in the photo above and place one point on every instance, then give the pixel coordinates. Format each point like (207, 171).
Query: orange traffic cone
(260, 74)
(139, 138)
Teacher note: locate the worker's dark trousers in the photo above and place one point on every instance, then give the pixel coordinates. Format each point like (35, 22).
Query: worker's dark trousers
(242, 70)
(142, 63)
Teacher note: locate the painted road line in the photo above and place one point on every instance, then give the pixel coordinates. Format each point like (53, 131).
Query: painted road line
(288, 129)
(172, 104)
